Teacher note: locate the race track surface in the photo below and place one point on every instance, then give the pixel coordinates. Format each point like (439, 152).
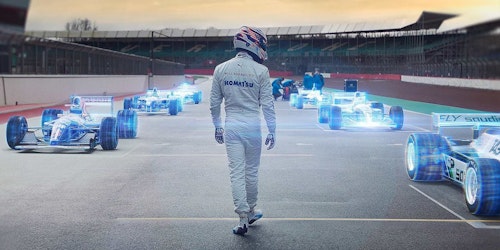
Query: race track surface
(169, 189)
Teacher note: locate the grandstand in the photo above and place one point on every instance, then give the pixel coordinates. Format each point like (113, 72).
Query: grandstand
(429, 46)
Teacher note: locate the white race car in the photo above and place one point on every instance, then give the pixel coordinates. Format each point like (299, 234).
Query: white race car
(89, 122)
(309, 98)
(188, 93)
(155, 102)
(353, 110)
(465, 149)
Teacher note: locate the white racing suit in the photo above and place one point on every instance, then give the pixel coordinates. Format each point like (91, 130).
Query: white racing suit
(245, 87)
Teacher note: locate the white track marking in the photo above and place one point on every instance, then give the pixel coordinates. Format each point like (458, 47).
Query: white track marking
(304, 219)
(474, 223)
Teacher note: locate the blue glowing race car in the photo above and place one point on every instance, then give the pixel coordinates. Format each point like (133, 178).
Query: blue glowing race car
(464, 149)
(188, 93)
(308, 98)
(154, 102)
(353, 110)
(89, 122)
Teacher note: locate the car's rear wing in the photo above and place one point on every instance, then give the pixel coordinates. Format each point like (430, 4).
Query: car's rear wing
(101, 106)
(348, 97)
(476, 121)
(159, 93)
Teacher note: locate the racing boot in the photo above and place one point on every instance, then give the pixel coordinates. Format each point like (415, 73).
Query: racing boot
(254, 215)
(242, 228)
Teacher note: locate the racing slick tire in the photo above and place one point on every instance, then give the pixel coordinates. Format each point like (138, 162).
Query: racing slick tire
(481, 187)
(49, 115)
(300, 102)
(335, 117)
(293, 99)
(109, 133)
(127, 123)
(397, 117)
(17, 126)
(173, 108)
(127, 103)
(423, 153)
(323, 110)
(197, 97)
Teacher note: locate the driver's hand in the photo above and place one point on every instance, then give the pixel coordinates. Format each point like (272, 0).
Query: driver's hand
(270, 141)
(219, 135)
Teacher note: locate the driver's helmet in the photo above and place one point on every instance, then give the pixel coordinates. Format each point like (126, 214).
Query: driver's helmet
(252, 40)
(76, 106)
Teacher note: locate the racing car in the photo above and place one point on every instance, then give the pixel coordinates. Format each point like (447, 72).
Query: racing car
(353, 110)
(309, 98)
(463, 148)
(89, 122)
(187, 93)
(154, 102)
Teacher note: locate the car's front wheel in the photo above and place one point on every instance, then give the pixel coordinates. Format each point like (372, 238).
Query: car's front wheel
(424, 156)
(335, 117)
(397, 116)
(108, 133)
(17, 126)
(293, 99)
(173, 106)
(323, 110)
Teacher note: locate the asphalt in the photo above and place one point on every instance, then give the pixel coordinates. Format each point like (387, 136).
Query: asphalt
(169, 189)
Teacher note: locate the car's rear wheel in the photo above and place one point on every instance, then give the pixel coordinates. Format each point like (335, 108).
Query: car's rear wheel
(197, 97)
(300, 102)
(424, 156)
(49, 115)
(481, 187)
(127, 123)
(17, 126)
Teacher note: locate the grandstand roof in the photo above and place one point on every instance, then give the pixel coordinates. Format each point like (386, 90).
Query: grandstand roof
(426, 20)
(469, 21)
(429, 20)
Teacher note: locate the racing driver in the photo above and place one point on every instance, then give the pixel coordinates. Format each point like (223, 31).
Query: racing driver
(243, 83)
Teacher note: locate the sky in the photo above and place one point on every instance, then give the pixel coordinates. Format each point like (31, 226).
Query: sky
(203, 14)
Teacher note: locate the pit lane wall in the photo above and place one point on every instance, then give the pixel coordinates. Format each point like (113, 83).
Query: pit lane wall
(41, 89)
(454, 82)
(53, 89)
(441, 81)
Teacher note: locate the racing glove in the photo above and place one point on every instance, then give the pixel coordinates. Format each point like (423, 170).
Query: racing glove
(270, 141)
(219, 135)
